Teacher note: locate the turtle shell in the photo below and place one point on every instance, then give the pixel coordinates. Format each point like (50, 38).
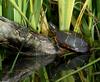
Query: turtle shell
(71, 41)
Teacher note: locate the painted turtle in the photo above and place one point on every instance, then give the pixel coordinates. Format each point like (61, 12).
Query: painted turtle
(69, 40)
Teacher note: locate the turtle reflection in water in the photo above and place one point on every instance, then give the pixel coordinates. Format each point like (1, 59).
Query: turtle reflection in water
(69, 40)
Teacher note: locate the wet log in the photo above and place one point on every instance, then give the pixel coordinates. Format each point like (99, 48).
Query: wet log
(36, 49)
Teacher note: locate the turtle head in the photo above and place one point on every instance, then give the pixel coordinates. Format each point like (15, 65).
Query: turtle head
(52, 27)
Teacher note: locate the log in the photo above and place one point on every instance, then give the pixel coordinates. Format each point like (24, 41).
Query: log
(35, 49)
(16, 36)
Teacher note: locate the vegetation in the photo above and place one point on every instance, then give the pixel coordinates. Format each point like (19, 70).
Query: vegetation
(81, 16)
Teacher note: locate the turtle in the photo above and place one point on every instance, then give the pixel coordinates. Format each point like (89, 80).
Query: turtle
(69, 40)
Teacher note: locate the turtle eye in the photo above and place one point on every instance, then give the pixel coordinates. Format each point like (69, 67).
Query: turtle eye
(52, 26)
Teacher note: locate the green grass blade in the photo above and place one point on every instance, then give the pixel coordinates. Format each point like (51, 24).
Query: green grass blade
(4, 8)
(65, 13)
(32, 77)
(98, 11)
(35, 8)
(17, 16)
(78, 22)
(70, 78)
(90, 69)
(0, 7)
(25, 6)
(90, 17)
(10, 13)
(20, 12)
(31, 15)
(7, 9)
(43, 75)
(85, 28)
(12, 67)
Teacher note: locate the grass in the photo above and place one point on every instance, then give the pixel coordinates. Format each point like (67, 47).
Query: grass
(81, 16)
